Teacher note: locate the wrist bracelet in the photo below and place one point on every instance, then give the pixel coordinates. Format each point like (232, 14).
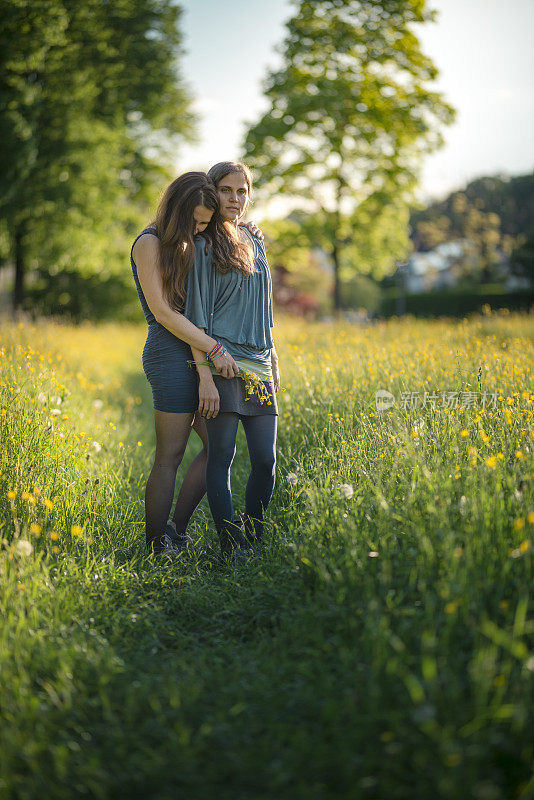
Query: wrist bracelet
(212, 353)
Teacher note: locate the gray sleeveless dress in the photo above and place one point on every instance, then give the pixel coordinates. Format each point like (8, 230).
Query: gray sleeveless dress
(165, 360)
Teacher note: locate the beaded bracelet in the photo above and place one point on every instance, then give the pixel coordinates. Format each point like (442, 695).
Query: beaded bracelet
(215, 351)
(224, 352)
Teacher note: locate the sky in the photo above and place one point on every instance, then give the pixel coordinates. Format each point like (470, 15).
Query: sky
(482, 48)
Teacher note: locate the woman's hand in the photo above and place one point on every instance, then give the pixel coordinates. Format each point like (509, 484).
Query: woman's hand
(276, 374)
(253, 229)
(226, 366)
(208, 397)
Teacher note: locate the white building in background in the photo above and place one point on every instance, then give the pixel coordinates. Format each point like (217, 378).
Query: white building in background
(439, 268)
(446, 264)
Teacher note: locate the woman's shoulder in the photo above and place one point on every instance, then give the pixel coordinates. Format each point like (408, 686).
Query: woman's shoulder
(146, 244)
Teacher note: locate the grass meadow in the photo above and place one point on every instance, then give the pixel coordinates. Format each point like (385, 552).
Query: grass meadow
(381, 648)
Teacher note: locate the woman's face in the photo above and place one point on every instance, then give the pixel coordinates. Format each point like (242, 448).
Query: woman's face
(201, 216)
(233, 196)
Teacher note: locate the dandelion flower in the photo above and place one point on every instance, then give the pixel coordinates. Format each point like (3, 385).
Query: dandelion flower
(530, 517)
(346, 490)
(36, 529)
(464, 434)
(76, 530)
(519, 524)
(48, 503)
(11, 495)
(54, 536)
(491, 462)
(291, 478)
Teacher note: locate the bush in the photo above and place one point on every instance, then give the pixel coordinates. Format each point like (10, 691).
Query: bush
(457, 303)
(361, 292)
(82, 297)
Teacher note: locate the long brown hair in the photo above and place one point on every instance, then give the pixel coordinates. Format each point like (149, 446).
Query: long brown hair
(228, 252)
(175, 224)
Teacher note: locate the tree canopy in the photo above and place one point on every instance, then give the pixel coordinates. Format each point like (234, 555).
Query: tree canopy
(350, 112)
(92, 102)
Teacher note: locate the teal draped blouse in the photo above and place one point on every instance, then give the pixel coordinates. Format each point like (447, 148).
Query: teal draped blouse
(233, 308)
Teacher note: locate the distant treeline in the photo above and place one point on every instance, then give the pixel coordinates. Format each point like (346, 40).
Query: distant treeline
(495, 213)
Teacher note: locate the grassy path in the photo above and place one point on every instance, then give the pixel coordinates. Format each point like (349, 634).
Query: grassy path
(382, 648)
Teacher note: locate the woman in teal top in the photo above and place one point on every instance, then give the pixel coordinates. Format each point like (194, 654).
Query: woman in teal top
(234, 305)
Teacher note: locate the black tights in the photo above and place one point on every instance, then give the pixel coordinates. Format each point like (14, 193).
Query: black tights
(172, 434)
(261, 441)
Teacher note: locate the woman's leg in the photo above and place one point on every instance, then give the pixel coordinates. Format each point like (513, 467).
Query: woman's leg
(222, 433)
(172, 433)
(261, 440)
(193, 487)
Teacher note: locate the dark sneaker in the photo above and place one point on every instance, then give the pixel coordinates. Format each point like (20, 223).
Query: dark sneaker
(171, 545)
(172, 540)
(234, 546)
(253, 531)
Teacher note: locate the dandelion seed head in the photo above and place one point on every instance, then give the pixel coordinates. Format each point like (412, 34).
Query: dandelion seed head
(24, 547)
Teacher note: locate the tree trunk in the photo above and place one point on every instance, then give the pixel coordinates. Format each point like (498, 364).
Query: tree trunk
(337, 282)
(18, 292)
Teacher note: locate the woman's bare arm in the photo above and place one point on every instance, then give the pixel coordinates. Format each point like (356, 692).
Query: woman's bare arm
(208, 396)
(275, 369)
(146, 257)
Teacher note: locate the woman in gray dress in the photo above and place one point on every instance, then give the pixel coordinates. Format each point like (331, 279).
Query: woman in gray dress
(160, 259)
(232, 302)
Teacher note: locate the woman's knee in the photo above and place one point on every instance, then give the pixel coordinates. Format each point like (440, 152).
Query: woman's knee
(220, 458)
(169, 458)
(264, 463)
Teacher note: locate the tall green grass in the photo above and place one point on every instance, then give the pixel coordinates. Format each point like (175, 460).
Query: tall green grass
(380, 648)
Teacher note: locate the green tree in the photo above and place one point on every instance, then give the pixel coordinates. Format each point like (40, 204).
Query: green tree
(350, 111)
(92, 100)
(523, 257)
